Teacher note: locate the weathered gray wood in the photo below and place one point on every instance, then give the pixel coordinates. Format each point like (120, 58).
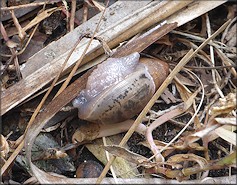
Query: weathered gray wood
(195, 9)
(214, 180)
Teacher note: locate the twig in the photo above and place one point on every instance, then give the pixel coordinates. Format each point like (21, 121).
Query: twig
(85, 12)
(9, 61)
(226, 61)
(28, 5)
(73, 10)
(66, 11)
(160, 112)
(209, 68)
(227, 29)
(16, 62)
(21, 32)
(111, 167)
(3, 32)
(22, 35)
(202, 54)
(13, 51)
(29, 39)
(212, 56)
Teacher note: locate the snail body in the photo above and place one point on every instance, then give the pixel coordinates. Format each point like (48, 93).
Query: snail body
(119, 88)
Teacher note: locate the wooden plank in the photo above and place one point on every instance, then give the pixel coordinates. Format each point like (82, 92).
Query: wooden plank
(215, 180)
(194, 10)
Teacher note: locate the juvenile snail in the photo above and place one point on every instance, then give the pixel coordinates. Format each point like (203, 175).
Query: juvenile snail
(119, 88)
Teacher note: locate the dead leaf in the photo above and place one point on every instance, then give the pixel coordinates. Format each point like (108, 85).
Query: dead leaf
(184, 92)
(164, 40)
(230, 38)
(122, 168)
(4, 146)
(226, 121)
(41, 16)
(168, 97)
(178, 158)
(227, 135)
(129, 156)
(224, 105)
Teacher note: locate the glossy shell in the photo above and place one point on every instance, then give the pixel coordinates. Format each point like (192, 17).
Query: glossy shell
(119, 88)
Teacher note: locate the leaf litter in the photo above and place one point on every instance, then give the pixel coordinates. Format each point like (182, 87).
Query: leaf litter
(189, 133)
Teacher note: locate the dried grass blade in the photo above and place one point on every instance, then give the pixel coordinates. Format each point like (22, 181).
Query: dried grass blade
(226, 135)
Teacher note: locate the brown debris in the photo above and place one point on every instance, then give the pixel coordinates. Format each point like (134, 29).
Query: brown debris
(187, 130)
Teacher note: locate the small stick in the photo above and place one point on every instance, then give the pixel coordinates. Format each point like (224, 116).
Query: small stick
(208, 24)
(21, 32)
(16, 62)
(3, 32)
(9, 61)
(66, 13)
(226, 61)
(107, 157)
(13, 51)
(72, 18)
(85, 12)
(28, 5)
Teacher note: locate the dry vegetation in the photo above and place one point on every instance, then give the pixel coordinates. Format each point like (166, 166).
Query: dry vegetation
(185, 133)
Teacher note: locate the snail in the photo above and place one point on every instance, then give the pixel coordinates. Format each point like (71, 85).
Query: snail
(119, 88)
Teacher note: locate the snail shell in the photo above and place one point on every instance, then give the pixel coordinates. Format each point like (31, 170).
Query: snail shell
(119, 88)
